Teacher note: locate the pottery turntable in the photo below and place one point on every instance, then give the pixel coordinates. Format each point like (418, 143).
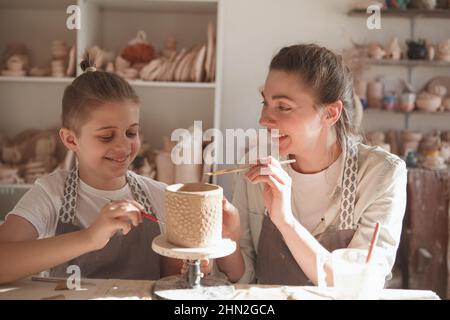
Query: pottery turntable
(193, 232)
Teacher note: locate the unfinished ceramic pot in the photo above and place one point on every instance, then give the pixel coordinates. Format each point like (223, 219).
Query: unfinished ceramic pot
(443, 50)
(428, 102)
(193, 214)
(446, 104)
(375, 94)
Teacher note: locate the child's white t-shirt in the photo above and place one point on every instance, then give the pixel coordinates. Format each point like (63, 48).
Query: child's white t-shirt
(41, 204)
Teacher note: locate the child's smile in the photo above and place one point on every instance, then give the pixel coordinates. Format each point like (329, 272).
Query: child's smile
(108, 143)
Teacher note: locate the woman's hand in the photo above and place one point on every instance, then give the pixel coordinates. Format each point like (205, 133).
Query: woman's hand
(231, 224)
(114, 216)
(277, 189)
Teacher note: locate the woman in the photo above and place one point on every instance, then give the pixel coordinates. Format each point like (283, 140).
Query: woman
(284, 217)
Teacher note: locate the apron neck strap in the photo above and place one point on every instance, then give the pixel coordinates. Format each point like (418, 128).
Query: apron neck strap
(349, 182)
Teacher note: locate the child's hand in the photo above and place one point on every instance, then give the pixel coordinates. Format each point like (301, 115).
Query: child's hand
(114, 216)
(231, 224)
(205, 267)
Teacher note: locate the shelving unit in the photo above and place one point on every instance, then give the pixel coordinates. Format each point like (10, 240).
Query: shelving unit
(407, 118)
(35, 102)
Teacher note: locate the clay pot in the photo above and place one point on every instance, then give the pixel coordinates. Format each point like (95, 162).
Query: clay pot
(431, 53)
(15, 63)
(411, 136)
(361, 88)
(443, 50)
(416, 51)
(407, 102)
(375, 94)
(438, 90)
(193, 214)
(59, 49)
(389, 102)
(428, 102)
(446, 104)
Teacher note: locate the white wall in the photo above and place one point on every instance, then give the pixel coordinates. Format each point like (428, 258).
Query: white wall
(254, 30)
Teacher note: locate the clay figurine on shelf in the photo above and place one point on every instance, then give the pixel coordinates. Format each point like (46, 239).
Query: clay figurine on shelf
(170, 47)
(434, 161)
(60, 53)
(376, 51)
(410, 141)
(34, 152)
(394, 51)
(445, 151)
(431, 52)
(15, 60)
(377, 138)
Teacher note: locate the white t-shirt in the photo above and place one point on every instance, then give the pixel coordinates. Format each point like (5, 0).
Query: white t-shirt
(313, 195)
(41, 204)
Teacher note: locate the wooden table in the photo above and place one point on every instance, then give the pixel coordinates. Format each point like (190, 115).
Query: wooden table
(140, 289)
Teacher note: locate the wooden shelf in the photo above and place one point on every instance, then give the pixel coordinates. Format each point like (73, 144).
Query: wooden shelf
(20, 186)
(409, 13)
(408, 63)
(161, 6)
(415, 112)
(137, 83)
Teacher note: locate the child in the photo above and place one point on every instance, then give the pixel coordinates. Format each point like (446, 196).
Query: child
(90, 216)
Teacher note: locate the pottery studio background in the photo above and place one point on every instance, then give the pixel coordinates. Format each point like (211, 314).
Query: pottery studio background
(232, 43)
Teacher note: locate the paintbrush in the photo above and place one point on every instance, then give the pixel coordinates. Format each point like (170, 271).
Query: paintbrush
(244, 168)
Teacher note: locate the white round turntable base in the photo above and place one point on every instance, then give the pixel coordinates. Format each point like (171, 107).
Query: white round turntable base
(222, 248)
(176, 288)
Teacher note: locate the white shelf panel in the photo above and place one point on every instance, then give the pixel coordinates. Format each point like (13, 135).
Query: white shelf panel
(412, 113)
(168, 84)
(37, 79)
(166, 6)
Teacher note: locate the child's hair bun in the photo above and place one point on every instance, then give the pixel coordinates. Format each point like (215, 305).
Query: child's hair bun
(88, 62)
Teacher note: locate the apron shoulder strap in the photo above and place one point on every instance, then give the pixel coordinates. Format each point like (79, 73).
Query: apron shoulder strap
(69, 202)
(137, 190)
(349, 182)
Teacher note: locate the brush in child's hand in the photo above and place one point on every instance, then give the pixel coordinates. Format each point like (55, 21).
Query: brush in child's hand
(151, 217)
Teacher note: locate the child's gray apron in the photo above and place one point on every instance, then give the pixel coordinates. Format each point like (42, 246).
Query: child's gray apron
(274, 261)
(125, 256)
